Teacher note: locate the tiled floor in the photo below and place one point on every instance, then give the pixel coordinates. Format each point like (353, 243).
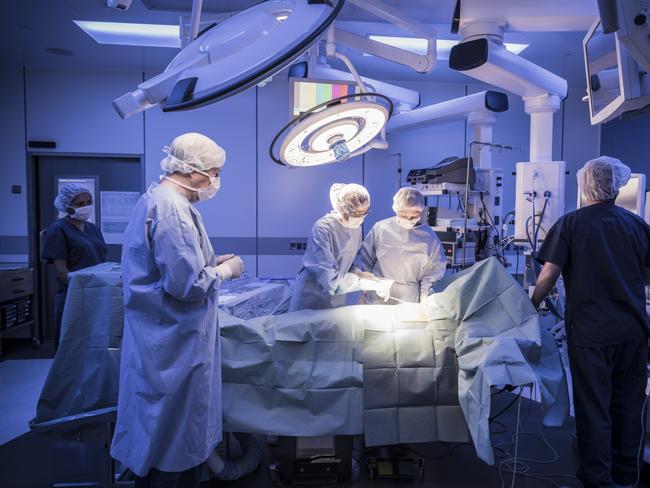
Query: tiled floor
(21, 381)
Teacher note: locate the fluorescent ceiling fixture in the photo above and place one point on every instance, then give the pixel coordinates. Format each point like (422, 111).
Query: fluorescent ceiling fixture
(152, 35)
(418, 45)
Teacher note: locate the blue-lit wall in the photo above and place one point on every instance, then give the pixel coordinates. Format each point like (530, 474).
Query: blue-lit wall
(261, 207)
(629, 140)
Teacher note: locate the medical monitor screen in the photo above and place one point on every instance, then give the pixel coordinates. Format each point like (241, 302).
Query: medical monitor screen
(632, 195)
(603, 70)
(306, 94)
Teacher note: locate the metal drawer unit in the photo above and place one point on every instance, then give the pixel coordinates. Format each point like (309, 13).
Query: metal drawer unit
(17, 305)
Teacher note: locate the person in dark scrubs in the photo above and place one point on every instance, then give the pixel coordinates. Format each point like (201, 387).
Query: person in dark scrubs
(602, 252)
(72, 243)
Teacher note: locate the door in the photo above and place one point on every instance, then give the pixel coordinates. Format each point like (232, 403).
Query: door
(116, 183)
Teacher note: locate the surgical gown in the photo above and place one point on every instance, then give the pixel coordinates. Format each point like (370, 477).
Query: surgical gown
(325, 276)
(169, 405)
(414, 258)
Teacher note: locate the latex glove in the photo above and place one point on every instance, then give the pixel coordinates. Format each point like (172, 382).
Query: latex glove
(383, 290)
(223, 258)
(232, 268)
(380, 286)
(365, 274)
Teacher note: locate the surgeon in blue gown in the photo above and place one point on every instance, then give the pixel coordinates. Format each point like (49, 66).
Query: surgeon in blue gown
(169, 406)
(327, 273)
(72, 243)
(602, 252)
(404, 250)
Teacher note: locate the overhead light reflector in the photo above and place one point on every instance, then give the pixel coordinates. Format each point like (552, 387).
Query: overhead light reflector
(238, 53)
(332, 131)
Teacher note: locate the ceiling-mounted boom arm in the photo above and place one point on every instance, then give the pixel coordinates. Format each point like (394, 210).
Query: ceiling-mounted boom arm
(418, 62)
(450, 110)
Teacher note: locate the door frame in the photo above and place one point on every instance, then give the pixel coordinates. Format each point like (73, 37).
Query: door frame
(33, 224)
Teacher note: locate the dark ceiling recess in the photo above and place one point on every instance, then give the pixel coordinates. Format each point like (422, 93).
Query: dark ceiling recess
(59, 51)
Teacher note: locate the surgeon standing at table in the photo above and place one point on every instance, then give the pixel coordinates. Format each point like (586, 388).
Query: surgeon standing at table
(169, 405)
(327, 275)
(402, 249)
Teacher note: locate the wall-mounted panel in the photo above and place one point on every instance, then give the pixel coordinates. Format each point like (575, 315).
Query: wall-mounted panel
(73, 108)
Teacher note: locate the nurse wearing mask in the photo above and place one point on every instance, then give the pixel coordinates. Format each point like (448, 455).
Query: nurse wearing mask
(169, 406)
(326, 276)
(400, 248)
(72, 243)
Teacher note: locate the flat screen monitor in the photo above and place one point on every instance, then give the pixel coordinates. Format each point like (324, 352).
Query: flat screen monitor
(602, 70)
(615, 84)
(306, 93)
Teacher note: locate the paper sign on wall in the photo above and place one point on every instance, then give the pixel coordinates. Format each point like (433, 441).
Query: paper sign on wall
(116, 208)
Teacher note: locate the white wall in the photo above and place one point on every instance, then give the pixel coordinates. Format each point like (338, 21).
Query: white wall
(73, 108)
(13, 223)
(420, 147)
(262, 206)
(232, 213)
(289, 200)
(581, 142)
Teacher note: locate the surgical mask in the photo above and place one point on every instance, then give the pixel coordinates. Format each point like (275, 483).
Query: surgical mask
(352, 222)
(82, 213)
(408, 223)
(203, 193)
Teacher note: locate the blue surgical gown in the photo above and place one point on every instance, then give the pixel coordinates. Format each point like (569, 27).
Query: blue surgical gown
(169, 405)
(413, 258)
(325, 277)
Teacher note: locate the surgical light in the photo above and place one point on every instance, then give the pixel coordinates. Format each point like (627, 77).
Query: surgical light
(418, 45)
(333, 131)
(234, 55)
(127, 34)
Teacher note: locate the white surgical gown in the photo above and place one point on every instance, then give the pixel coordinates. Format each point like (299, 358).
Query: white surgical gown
(325, 276)
(169, 405)
(414, 258)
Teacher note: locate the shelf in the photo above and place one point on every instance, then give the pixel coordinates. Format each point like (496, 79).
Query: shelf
(14, 332)
(448, 193)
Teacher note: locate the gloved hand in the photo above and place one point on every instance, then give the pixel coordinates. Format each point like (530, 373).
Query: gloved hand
(231, 268)
(223, 258)
(378, 285)
(364, 274)
(383, 289)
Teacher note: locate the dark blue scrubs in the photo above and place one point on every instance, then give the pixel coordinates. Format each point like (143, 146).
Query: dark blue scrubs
(81, 249)
(603, 251)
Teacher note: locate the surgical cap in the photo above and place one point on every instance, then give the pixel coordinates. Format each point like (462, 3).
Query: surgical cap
(348, 198)
(67, 193)
(407, 199)
(601, 178)
(192, 151)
